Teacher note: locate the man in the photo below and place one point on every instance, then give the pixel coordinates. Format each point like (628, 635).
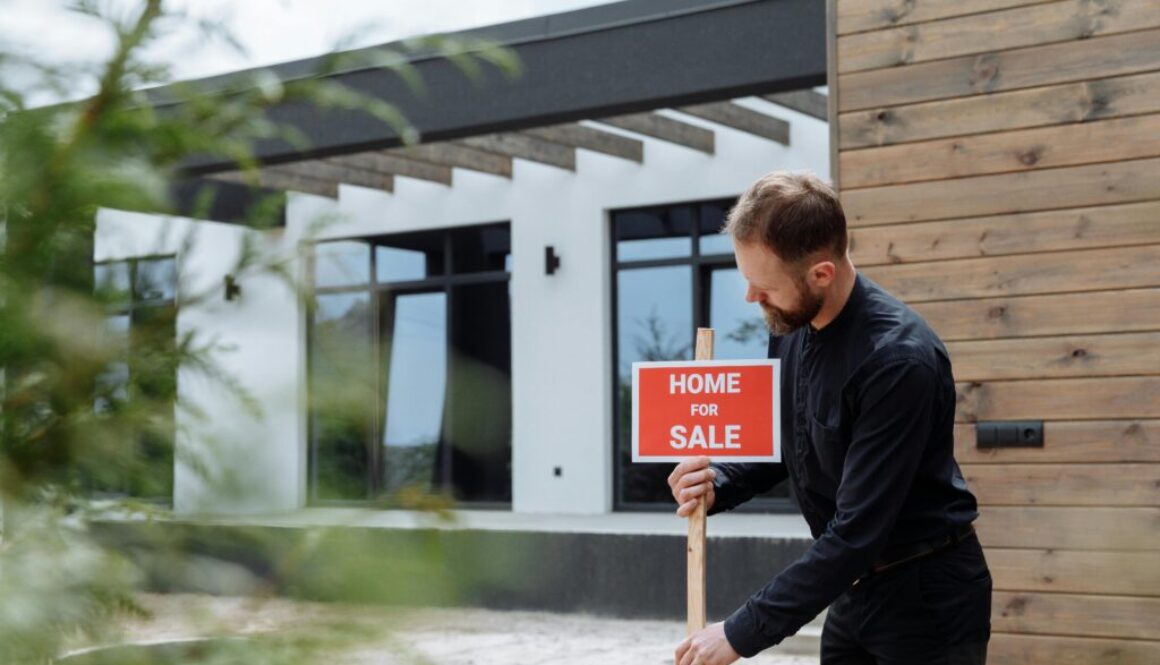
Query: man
(868, 405)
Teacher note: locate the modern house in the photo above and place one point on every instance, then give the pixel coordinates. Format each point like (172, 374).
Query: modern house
(485, 290)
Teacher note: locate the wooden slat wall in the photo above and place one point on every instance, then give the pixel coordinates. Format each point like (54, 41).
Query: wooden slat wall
(999, 161)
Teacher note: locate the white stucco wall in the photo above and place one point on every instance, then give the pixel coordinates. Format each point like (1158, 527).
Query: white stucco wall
(561, 324)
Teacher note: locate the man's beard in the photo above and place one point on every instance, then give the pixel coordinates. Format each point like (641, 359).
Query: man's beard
(783, 322)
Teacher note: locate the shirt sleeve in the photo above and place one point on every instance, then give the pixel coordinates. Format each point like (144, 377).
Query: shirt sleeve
(737, 483)
(894, 414)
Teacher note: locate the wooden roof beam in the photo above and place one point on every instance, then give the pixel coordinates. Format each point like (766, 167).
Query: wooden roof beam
(741, 118)
(319, 170)
(458, 156)
(809, 102)
(526, 147)
(590, 138)
(666, 129)
(388, 164)
(279, 181)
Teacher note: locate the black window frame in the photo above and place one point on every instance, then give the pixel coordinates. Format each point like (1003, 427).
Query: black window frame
(700, 265)
(444, 282)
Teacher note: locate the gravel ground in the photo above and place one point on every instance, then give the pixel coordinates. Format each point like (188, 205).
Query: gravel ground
(430, 636)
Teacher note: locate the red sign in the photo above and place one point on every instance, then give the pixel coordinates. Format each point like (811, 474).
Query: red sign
(724, 409)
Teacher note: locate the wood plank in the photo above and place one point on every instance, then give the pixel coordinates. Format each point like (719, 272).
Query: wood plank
(997, 235)
(382, 162)
(1064, 571)
(590, 138)
(324, 171)
(1071, 441)
(280, 181)
(522, 146)
(1057, 650)
(458, 156)
(741, 118)
(1028, 191)
(1060, 399)
(809, 102)
(1069, 528)
(865, 15)
(1080, 484)
(1037, 107)
(1081, 616)
(1120, 354)
(992, 318)
(666, 129)
(1137, 137)
(1052, 272)
(1003, 30)
(1098, 57)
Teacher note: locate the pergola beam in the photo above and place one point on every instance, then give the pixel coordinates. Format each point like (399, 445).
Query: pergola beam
(526, 147)
(319, 170)
(741, 118)
(666, 129)
(380, 162)
(809, 102)
(458, 156)
(279, 181)
(590, 138)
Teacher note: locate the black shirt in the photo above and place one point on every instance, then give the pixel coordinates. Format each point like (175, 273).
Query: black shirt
(868, 409)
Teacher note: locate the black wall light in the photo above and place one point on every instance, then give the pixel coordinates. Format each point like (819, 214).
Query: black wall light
(232, 288)
(551, 260)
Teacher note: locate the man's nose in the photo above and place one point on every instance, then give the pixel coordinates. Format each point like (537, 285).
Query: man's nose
(751, 294)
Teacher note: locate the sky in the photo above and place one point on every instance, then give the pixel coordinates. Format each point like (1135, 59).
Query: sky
(270, 31)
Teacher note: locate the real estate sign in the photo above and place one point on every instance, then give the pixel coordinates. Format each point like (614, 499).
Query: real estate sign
(724, 409)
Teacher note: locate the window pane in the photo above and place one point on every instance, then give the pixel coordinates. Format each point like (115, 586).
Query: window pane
(111, 281)
(407, 257)
(654, 321)
(740, 331)
(342, 391)
(479, 432)
(156, 279)
(342, 263)
(655, 233)
(712, 219)
(480, 248)
(113, 382)
(415, 359)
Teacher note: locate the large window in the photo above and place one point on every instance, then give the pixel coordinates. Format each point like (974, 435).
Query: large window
(410, 367)
(141, 380)
(673, 272)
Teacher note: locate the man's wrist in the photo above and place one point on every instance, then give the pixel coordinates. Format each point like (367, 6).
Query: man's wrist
(743, 633)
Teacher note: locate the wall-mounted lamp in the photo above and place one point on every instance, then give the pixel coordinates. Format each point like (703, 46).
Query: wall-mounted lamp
(1009, 434)
(232, 288)
(551, 260)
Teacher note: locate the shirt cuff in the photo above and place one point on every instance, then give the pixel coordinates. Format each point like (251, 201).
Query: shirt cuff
(744, 634)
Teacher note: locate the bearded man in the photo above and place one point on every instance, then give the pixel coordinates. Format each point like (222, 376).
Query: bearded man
(868, 409)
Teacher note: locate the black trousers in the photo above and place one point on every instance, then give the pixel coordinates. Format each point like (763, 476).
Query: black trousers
(935, 610)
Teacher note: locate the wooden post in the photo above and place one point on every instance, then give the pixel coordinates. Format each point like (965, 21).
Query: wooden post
(696, 547)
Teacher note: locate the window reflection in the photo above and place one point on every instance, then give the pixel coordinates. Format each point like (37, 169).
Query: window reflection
(342, 389)
(409, 256)
(654, 233)
(712, 218)
(654, 322)
(156, 279)
(341, 263)
(415, 357)
(740, 331)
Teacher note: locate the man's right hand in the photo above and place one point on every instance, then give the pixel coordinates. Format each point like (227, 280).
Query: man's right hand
(691, 480)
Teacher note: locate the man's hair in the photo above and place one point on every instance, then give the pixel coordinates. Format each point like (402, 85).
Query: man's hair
(796, 215)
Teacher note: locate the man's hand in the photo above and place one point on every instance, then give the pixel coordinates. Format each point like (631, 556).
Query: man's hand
(707, 646)
(691, 480)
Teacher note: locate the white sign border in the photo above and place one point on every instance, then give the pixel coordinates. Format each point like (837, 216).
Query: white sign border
(725, 459)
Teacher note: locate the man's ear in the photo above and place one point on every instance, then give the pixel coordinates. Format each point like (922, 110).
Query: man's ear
(822, 274)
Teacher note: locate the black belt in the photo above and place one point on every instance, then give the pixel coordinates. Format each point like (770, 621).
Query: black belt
(902, 554)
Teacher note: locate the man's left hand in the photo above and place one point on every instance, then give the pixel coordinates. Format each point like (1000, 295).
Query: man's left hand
(707, 646)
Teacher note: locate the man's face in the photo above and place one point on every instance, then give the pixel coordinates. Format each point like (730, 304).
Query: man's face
(786, 300)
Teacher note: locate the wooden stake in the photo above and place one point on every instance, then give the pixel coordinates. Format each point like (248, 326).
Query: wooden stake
(696, 547)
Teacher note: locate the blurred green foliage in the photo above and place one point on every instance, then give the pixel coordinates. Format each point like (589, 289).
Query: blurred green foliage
(66, 431)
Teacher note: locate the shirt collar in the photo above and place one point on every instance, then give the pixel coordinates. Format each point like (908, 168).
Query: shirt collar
(845, 318)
